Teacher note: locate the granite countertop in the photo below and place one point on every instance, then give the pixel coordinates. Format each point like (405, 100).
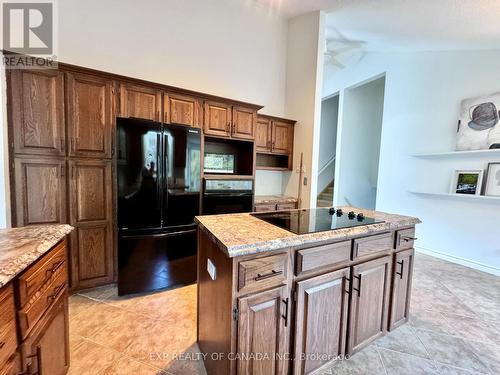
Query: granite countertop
(21, 247)
(264, 199)
(243, 234)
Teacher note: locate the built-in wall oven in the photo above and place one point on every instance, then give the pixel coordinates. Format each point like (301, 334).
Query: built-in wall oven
(225, 196)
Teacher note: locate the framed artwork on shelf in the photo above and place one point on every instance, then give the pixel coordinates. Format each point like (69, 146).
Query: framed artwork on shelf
(492, 183)
(467, 182)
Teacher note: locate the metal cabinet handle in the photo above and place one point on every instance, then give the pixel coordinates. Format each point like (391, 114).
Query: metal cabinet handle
(54, 295)
(2, 344)
(55, 266)
(402, 267)
(267, 276)
(408, 238)
(228, 127)
(359, 285)
(285, 301)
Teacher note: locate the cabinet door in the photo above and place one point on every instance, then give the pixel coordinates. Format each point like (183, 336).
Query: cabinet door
(401, 288)
(369, 302)
(320, 320)
(263, 135)
(217, 119)
(182, 109)
(46, 349)
(90, 115)
(140, 102)
(91, 212)
(37, 111)
(262, 330)
(40, 191)
(282, 138)
(244, 120)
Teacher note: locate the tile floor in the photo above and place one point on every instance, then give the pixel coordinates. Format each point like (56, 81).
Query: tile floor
(454, 329)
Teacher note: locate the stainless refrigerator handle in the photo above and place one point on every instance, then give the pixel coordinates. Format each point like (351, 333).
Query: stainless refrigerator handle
(158, 235)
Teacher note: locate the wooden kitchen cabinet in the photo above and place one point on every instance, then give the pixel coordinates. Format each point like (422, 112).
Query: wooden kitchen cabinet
(263, 329)
(369, 305)
(37, 112)
(46, 350)
(40, 190)
(401, 288)
(274, 143)
(140, 102)
(320, 320)
(91, 213)
(90, 114)
(263, 134)
(182, 109)
(225, 120)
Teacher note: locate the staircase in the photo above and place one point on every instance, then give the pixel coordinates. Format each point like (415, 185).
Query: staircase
(325, 198)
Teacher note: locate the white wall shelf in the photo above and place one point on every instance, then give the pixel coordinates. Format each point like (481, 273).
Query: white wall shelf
(485, 198)
(475, 153)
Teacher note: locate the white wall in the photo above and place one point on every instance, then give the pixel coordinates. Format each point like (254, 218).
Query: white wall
(359, 145)
(422, 99)
(4, 156)
(268, 182)
(303, 99)
(327, 140)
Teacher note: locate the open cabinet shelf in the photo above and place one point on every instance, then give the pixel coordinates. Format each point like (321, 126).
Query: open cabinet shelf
(485, 198)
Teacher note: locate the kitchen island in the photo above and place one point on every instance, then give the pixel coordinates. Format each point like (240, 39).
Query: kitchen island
(271, 301)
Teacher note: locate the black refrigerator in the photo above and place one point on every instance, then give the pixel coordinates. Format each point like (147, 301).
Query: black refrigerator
(158, 172)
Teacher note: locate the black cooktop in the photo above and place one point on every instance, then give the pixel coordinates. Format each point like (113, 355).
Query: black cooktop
(315, 220)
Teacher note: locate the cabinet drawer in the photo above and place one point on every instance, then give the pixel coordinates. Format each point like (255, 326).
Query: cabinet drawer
(30, 314)
(261, 273)
(265, 207)
(323, 256)
(41, 273)
(405, 239)
(367, 246)
(286, 206)
(8, 338)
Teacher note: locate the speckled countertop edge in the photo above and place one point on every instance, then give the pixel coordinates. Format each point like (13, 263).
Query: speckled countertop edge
(264, 199)
(281, 238)
(23, 246)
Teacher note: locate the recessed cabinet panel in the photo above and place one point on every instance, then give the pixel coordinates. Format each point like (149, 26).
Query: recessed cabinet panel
(217, 119)
(40, 191)
(368, 311)
(401, 288)
(90, 115)
(321, 320)
(262, 331)
(263, 135)
(243, 123)
(282, 138)
(140, 102)
(37, 110)
(182, 109)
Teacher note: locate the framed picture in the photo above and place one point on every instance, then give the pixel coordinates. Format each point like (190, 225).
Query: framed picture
(467, 182)
(492, 184)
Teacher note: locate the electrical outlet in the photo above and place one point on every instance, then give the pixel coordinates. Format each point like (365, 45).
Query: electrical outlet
(212, 270)
(305, 181)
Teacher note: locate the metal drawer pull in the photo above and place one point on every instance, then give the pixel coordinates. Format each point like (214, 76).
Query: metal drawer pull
(272, 274)
(359, 285)
(56, 293)
(402, 267)
(2, 344)
(56, 266)
(285, 301)
(408, 239)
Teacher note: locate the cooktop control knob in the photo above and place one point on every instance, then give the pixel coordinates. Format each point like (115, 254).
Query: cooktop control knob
(339, 212)
(361, 217)
(351, 215)
(331, 211)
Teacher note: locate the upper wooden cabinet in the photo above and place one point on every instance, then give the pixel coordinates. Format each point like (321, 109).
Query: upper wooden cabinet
(263, 134)
(182, 109)
(90, 115)
(243, 124)
(368, 310)
(263, 329)
(225, 120)
(321, 320)
(40, 191)
(37, 111)
(140, 102)
(274, 135)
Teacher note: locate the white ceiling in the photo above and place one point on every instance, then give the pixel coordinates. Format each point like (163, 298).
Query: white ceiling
(393, 25)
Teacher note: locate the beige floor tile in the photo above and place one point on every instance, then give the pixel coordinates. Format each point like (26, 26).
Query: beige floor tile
(129, 366)
(77, 304)
(89, 321)
(400, 363)
(88, 358)
(403, 340)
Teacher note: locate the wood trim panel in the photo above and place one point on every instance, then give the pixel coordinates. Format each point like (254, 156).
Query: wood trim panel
(372, 245)
(8, 335)
(323, 256)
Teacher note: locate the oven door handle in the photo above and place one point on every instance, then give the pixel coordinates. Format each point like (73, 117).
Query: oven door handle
(158, 235)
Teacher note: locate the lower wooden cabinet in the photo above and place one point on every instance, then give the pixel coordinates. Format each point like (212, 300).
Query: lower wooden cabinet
(46, 350)
(401, 288)
(320, 320)
(12, 366)
(368, 310)
(263, 332)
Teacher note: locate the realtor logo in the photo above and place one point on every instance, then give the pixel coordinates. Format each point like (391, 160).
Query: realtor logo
(28, 28)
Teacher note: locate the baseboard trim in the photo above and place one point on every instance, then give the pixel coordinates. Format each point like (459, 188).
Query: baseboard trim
(462, 261)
